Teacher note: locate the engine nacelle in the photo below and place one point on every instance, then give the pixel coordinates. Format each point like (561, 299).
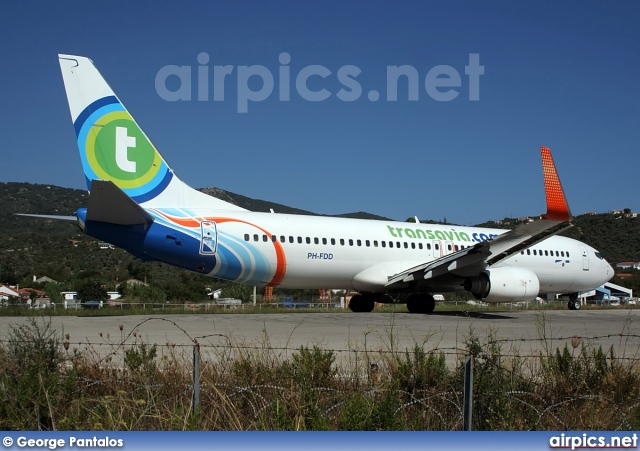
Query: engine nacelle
(505, 284)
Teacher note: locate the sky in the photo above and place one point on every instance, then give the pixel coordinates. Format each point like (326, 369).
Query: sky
(454, 144)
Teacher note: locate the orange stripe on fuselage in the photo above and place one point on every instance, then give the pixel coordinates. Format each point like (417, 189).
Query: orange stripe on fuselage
(281, 259)
(185, 222)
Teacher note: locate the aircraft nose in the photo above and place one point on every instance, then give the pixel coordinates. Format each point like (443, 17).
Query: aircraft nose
(608, 271)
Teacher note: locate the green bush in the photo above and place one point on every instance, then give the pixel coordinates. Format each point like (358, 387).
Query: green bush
(33, 388)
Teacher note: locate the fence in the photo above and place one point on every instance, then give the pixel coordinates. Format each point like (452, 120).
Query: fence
(52, 382)
(203, 307)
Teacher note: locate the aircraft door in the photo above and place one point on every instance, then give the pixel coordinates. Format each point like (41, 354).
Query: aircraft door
(208, 238)
(585, 258)
(437, 248)
(448, 247)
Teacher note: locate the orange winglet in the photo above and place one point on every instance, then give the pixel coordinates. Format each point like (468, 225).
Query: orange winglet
(557, 207)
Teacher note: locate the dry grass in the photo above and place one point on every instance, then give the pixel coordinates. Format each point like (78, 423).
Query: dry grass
(46, 384)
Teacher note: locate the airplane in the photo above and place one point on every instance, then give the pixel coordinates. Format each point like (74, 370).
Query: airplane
(138, 203)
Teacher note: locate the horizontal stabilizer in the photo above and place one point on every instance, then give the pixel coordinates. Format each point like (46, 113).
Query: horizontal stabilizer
(56, 217)
(108, 203)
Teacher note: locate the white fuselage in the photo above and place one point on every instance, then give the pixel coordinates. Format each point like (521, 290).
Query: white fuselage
(326, 252)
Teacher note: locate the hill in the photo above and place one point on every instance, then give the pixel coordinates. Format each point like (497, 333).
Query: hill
(617, 237)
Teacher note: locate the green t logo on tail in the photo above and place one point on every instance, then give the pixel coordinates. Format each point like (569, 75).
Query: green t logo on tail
(114, 148)
(121, 152)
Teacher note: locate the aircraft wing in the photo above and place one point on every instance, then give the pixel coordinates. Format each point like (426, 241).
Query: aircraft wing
(474, 260)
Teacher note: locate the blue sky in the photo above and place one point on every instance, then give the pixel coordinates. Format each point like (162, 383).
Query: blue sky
(560, 74)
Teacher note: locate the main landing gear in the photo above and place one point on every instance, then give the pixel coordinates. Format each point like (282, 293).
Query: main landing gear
(416, 302)
(362, 303)
(421, 303)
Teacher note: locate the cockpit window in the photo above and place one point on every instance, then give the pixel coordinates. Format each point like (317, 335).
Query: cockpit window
(599, 255)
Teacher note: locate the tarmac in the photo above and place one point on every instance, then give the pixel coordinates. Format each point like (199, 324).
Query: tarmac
(521, 332)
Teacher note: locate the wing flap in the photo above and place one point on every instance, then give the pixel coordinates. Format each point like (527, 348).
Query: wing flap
(443, 265)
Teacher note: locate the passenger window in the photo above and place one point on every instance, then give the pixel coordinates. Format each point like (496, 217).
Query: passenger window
(246, 237)
(333, 241)
(308, 240)
(546, 253)
(397, 244)
(436, 247)
(255, 237)
(274, 238)
(406, 245)
(350, 242)
(419, 245)
(528, 251)
(341, 241)
(375, 243)
(562, 253)
(567, 254)
(535, 252)
(428, 246)
(316, 240)
(291, 240)
(448, 247)
(359, 242)
(265, 238)
(367, 243)
(413, 245)
(324, 241)
(390, 243)
(300, 240)
(383, 243)
(283, 239)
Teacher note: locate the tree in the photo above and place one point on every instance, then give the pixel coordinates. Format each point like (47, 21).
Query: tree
(53, 291)
(91, 290)
(238, 291)
(8, 274)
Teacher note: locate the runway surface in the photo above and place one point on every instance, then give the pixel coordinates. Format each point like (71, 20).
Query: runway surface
(523, 332)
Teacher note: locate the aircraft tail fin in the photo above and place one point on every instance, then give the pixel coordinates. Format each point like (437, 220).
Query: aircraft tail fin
(114, 148)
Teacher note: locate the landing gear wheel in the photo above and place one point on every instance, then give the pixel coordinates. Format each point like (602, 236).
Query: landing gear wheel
(421, 303)
(574, 305)
(360, 303)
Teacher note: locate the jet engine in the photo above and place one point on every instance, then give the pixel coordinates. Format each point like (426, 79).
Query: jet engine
(504, 284)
